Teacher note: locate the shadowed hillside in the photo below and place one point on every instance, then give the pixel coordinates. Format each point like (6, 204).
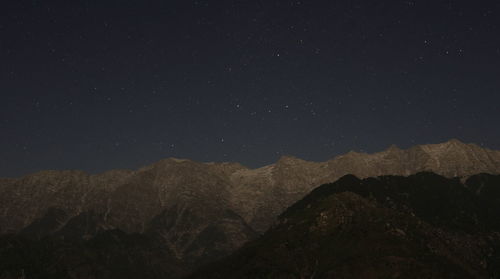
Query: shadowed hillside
(421, 226)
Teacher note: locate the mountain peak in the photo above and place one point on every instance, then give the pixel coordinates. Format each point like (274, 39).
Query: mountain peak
(353, 153)
(393, 147)
(287, 159)
(177, 160)
(455, 141)
(444, 147)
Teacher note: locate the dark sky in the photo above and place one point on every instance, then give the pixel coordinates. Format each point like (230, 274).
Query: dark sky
(97, 85)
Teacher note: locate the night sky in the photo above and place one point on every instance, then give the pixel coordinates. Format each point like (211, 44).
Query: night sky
(98, 85)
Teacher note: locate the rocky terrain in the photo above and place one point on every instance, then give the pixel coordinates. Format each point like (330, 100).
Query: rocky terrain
(199, 212)
(421, 226)
(260, 195)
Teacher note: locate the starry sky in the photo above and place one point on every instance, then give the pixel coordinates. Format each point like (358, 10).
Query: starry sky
(98, 85)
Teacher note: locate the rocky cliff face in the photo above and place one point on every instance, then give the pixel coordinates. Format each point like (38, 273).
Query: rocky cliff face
(201, 211)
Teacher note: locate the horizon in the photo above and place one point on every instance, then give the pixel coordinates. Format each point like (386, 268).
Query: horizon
(138, 167)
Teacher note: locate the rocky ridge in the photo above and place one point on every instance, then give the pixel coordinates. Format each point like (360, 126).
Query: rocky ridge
(203, 211)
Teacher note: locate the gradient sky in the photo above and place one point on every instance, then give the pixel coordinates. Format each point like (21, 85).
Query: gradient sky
(97, 85)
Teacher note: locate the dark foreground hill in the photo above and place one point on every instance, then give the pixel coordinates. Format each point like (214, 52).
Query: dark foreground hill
(421, 226)
(110, 254)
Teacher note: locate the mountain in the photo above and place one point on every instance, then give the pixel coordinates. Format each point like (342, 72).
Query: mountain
(182, 204)
(421, 226)
(261, 194)
(200, 212)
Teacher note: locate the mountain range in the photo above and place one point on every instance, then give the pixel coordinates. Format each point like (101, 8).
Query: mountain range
(190, 213)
